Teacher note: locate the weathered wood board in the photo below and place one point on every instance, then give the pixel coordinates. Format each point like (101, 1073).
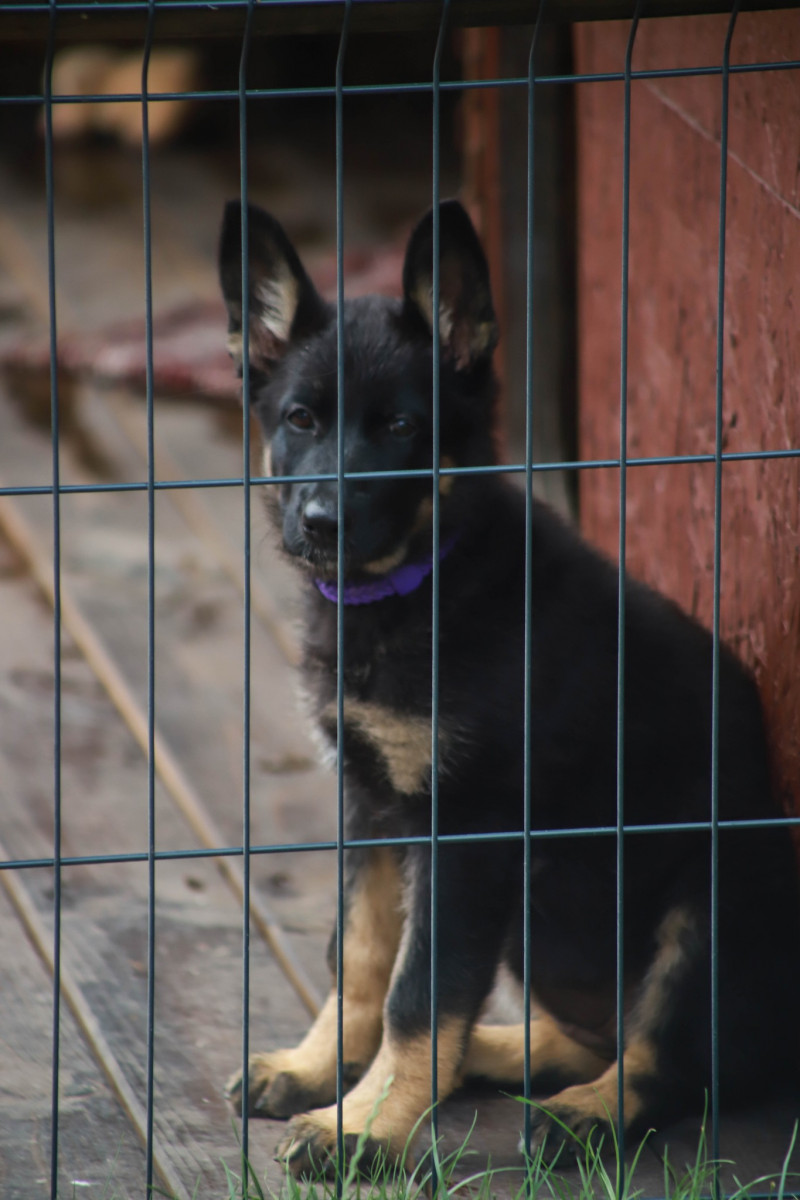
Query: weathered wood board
(672, 343)
(198, 934)
(99, 1146)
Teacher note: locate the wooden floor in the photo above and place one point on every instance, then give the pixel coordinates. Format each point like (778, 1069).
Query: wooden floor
(199, 724)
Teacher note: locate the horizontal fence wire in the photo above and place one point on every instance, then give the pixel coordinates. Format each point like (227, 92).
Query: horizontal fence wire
(400, 89)
(455, 839)
(151, 486)
(597, 464)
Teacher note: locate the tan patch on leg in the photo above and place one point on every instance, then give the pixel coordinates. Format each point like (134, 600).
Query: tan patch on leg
(372, 935)
(408, 1063)
(283, 1082)
(595, 1104)
(497, 1052)
(390, 1099)
(587, 1104)
(675, 930)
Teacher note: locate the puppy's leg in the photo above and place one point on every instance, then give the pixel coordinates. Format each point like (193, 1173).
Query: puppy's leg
(396, 1090)
(497, 1053)
(284, 1082)
(650, 1084)
(388, 1101)
(572, 1114)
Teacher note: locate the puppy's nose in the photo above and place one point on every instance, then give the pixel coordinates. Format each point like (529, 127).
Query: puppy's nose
(320, 523)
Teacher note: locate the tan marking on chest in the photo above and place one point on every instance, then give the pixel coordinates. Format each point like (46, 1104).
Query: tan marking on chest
(402, 742)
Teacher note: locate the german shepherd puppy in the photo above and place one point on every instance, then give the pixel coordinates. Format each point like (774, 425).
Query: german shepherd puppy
(387, 746)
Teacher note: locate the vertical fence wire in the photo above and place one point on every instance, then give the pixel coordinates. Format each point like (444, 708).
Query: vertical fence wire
(715, 625)
(246, 497)
(151, 625)
(56, 517)
(435, 518)
(341, 400)
(623, 525)
(528, 637)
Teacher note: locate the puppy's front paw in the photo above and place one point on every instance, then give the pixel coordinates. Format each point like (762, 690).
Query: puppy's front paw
(561, 1128)
(282, 1083)
(309, 1148)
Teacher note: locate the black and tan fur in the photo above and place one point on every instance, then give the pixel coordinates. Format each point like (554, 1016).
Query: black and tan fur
(387, 747)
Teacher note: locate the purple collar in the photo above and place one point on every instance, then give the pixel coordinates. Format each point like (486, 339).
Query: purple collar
(400, 582)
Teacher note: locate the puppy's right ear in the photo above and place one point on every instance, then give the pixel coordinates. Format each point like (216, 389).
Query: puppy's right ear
(284, 304)
(467, 324)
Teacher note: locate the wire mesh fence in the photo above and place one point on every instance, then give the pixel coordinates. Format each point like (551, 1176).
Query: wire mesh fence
(247, 22)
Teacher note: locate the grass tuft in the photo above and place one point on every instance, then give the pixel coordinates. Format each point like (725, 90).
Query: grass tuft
(596, 1172)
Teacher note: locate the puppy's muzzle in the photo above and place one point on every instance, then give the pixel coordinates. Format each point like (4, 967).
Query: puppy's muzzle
(320, 524)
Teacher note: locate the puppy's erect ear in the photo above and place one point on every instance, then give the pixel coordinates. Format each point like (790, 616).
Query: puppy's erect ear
(284, 304)
(467, 324)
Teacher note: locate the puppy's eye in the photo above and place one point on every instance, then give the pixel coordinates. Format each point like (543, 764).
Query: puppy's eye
(402, 427)
(300, 418)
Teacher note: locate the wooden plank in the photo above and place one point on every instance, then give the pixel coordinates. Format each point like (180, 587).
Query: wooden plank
(99, 1150)
(105, 554)
(292, 794)
(321, 16)
(198, 925)
(106, 973)
(43, 939)
(166, 766)
(199, 634)
(671, 363)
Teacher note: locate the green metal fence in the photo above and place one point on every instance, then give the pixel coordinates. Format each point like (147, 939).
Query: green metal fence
(252, 19)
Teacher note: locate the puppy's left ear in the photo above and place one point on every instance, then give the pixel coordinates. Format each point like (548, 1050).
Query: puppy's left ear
(467, 323)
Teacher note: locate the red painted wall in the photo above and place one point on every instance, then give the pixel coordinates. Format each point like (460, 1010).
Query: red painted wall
(675, 175)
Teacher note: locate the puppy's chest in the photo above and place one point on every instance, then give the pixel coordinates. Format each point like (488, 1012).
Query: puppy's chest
(387, 723)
